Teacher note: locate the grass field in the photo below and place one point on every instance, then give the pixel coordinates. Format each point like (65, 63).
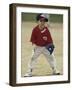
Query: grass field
(42, 67)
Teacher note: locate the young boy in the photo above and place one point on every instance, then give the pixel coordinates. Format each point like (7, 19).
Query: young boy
(43, 44)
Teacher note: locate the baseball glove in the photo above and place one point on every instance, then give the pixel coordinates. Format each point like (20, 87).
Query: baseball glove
(50, 48)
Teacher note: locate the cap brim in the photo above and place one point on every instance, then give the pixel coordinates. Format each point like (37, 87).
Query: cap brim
(44, 19)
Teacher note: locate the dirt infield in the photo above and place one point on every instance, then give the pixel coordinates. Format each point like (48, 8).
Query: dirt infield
(42, 67)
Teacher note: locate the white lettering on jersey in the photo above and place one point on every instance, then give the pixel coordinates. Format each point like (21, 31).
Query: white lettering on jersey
(43, 31)
(45, 38)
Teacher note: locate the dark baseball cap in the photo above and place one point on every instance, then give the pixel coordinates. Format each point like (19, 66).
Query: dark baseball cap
(42, 17)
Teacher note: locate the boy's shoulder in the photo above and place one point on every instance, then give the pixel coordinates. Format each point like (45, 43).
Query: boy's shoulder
(47, 28)
(36, 28)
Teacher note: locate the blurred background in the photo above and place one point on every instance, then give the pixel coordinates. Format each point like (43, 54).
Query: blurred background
(32, 17)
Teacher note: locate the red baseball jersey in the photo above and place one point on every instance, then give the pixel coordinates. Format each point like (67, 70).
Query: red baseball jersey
(41, 37)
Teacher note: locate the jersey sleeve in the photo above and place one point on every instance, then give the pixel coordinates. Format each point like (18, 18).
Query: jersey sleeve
(33, 37)
(50, 40)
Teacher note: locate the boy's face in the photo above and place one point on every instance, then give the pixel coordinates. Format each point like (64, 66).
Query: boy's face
(41, 23)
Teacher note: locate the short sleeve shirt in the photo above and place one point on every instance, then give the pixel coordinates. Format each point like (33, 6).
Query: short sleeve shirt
(41, 37)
